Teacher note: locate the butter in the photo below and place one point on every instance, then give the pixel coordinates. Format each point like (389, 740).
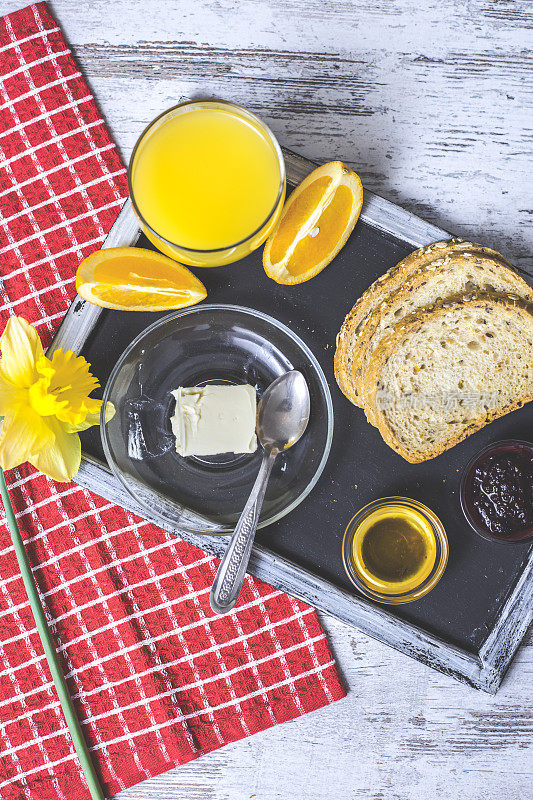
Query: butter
(209, 420)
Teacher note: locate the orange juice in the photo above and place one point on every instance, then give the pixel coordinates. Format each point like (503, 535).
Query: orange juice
(208, 182)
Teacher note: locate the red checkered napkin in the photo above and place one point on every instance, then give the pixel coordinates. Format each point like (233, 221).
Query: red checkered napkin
(156, 679)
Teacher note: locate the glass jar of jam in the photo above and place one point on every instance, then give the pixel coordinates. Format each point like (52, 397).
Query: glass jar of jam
(497, 492)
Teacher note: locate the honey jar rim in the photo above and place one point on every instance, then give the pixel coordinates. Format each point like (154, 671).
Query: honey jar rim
(441, 554)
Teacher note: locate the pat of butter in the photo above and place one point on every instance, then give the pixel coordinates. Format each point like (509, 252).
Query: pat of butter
(209, 420)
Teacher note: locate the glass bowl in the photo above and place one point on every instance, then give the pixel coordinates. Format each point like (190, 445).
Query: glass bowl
(441, 550)
(196, 346)
(504, 446)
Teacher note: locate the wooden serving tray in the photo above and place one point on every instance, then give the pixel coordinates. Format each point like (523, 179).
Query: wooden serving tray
(471, 624)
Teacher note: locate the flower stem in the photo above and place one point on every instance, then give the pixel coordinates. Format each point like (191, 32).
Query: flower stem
(74, 727)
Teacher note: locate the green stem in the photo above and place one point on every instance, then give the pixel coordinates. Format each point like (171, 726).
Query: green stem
(74, 727)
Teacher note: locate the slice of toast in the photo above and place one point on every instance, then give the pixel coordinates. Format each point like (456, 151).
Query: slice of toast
(435, 379)
(377, 293)
(459, 273)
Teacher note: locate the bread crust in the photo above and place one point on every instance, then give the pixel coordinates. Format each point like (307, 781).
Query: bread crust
(370, 332)
(364, 303)
(377, 293)
(408, 326)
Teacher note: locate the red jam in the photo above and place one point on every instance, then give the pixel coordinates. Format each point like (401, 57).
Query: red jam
(499, 491)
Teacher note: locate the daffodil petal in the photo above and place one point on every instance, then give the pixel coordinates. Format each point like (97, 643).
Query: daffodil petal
(10, 397)
(75, 417)
(21, 347)
(67, 382)
(109, 412)
(24, 432)
(42, 401)
(61, 460)
(91, 419)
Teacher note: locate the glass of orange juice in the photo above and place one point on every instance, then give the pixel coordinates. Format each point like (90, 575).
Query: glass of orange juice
(207, 181)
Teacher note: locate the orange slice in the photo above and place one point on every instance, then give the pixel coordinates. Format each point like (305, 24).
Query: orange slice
(133, 279)
(315, 223)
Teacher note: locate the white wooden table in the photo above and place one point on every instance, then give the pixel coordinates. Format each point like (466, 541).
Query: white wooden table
(428, 102)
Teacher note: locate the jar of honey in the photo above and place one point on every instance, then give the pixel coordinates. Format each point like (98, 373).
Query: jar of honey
(395, 550)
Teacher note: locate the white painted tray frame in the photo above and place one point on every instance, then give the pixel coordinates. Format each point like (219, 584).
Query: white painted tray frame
(483, 670)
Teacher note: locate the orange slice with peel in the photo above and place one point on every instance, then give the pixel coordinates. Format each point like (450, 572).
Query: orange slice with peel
(314, 225)
(133, 279)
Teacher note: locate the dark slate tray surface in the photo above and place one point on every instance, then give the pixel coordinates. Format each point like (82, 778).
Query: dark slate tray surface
(464, 606)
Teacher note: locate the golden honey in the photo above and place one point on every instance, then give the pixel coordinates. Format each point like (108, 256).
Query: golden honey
(393, 549)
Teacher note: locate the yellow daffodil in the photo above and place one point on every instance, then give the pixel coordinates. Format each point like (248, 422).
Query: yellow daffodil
(44, 402)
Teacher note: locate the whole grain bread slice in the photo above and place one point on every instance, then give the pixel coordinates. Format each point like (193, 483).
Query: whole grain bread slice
(377, 292)
(435, 379)
(459, 273)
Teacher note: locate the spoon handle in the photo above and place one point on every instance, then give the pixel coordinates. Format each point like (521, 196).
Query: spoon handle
(230, 576)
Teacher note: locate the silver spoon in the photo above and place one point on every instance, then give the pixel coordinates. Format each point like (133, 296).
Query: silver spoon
(282, 417)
